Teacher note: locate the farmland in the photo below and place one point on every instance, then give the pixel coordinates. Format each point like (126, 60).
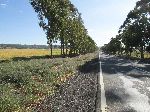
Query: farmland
(26, 83)
(12, 53)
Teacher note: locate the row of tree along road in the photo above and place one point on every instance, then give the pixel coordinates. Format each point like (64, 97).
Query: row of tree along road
(62, 23)
(134, 34)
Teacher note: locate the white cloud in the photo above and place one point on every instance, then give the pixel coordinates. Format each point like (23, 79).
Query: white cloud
(3, 5)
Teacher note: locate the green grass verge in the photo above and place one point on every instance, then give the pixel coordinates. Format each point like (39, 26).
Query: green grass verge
(24, 84)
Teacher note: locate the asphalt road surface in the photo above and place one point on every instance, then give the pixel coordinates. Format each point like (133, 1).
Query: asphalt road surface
(126, 84)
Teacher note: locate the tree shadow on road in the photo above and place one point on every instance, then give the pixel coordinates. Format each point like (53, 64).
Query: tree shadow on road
(144, 61)
(90, 66)
(114, 65)
(112, 97)
(139, 76)
(129, 110)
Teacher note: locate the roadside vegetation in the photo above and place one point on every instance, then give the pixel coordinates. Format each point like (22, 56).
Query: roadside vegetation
(26, 83)
(133, 37)
(28, 76)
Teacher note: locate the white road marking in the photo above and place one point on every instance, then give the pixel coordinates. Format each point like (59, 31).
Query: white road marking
(136, 100)
(103, 98)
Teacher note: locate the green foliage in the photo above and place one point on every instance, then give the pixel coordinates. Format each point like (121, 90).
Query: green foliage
(61, 21)
(113, 46)
(134, 34)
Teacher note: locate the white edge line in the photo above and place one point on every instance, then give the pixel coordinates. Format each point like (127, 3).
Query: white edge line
(103, 98)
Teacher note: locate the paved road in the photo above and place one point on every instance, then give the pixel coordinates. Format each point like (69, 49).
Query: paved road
(126, 84)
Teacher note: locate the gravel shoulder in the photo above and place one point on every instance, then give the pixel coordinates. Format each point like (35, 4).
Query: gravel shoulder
(77, 94)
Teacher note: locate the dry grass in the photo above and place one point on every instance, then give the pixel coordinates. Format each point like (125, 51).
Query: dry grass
(138, 55)
(11, 53)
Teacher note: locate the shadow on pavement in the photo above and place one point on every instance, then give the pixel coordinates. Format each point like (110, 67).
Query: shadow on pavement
(139, 76)
(144, 61)
(90, 66)
(112, 96)
(115, 99)
(129, 110)
(112, 65)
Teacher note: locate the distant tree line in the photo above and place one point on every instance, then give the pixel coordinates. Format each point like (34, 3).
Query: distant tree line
(62, 23)
(19, 46)
(134, 33)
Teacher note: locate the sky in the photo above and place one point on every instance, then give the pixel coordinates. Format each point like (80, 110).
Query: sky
(102, 18)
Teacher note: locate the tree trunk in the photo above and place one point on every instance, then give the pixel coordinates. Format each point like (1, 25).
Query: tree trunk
(61, 46)
(130, 53)
(142, 53)
(51, 46)
(66, 49)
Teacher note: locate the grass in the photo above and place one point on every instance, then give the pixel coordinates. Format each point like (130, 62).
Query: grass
(146, 55)
(25, 84)
(138, 55)
(6, 54)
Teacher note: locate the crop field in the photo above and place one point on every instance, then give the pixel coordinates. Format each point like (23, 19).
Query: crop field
(12, 53)
(24, 84)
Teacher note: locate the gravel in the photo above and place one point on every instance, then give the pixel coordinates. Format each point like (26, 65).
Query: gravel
(78, 94)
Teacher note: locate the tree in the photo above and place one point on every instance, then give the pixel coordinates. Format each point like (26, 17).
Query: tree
(136, 27)
(62, 22)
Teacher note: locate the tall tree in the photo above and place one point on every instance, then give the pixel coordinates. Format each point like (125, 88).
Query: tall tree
(62, 22)
(136, 27)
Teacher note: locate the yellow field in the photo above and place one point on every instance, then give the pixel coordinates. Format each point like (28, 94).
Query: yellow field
(11, 53)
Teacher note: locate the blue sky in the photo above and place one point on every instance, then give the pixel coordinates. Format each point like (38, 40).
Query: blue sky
(102, 18)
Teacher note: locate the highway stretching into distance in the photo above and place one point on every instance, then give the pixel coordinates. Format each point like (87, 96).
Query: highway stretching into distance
(124, 85)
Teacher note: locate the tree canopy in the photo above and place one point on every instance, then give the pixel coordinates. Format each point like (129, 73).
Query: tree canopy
(61, 21)
(134, 33)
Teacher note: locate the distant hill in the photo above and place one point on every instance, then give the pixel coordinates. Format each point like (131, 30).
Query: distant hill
(19, 46)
